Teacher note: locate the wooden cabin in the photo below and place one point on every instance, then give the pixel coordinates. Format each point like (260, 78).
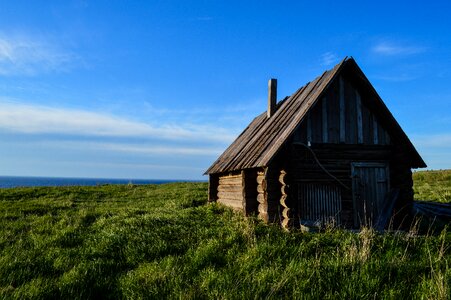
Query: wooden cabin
(330, 153)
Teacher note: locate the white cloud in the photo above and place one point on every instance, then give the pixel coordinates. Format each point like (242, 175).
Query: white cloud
(161, 150)
(433, 140)
(328, 58)
(435, 149)
(135, 149)
(391, 49)
(34, 119)
(29, 55)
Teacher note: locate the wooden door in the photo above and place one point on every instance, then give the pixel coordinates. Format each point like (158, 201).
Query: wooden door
(370, 184)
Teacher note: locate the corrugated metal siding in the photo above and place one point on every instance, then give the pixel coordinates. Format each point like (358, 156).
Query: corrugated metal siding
(319, 203)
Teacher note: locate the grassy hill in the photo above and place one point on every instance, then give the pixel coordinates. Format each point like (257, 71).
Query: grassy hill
(433, 185)
(164, 241)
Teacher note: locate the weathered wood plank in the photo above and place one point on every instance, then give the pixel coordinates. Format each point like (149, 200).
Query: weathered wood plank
(231, 203)
(351, 114)
(366, 121)
(230, 189)
(333, 119)
(263, 216)
(236, 195)
(324, 120)
(230, 176)
(316, 122)
(381, 135)
(243, 190)
(261, 198)
(309, 128)
(263, 208)
(342, 111)
(227, 183)
(302, 132)
(283, 200)
(233, 181)
(282, 176)
(375, 131)
(387, 137)
(359, 118)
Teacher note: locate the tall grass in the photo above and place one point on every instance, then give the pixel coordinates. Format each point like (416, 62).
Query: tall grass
(433, 185)
(165, 241)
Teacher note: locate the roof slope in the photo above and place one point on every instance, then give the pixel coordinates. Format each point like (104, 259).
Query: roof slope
(260, 141)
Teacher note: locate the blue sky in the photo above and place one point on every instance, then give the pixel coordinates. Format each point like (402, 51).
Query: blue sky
(158, 89)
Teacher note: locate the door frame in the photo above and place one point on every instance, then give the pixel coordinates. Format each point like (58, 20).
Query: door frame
(365, 164)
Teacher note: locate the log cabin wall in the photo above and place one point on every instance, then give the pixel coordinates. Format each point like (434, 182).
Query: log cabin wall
(230, 190)
(268, 197)
(340, 130)
(262, 202)
(337, 160)
(341, 117)
(273, 193)
(237, 190)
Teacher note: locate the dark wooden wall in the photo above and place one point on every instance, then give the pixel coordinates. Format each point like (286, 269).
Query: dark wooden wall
(341, 117)
(337, 160)
(339, 130)
(250, 190)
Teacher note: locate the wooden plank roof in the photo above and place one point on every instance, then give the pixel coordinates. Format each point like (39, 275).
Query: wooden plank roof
(261, 140)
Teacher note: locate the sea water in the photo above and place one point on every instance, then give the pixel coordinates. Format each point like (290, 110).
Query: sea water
(19, 181)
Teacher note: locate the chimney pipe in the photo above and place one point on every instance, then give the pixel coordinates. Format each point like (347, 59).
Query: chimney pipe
(272, 97)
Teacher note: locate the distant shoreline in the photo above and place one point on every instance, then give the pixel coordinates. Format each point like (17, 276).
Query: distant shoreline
(32, 181)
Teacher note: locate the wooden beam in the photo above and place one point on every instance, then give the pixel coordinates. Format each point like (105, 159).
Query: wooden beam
(324, 117)
(309, 128)
(342, 112)
(375, 131)
(243, 186)
(230, 181)
(230, 188)
(229, 195)
(359, 118)
(235, 204)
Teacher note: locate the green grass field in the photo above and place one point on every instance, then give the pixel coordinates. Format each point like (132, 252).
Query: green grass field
(164, 241)
(433, 185)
